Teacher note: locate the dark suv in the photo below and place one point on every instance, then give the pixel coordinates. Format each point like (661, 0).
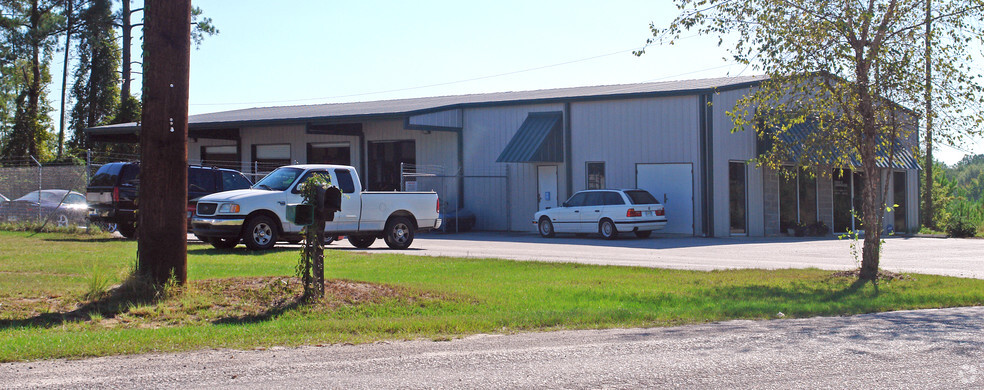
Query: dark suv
(114, 187)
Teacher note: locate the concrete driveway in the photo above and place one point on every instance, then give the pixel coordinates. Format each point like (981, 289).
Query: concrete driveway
(942, 256)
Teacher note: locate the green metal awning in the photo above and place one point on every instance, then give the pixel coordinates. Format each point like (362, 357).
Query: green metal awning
(796, 135)
(539, 139)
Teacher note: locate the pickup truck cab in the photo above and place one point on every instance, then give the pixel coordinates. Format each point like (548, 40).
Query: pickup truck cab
(258, 216)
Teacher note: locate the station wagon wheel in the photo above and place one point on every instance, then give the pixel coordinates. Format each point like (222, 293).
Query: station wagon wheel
(399, 233)
(607, 229)
(260, 233)
(108, 227)
(546, 227)
(61, 220)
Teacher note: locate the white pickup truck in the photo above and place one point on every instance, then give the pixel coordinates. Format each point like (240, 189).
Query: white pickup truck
(258, 216)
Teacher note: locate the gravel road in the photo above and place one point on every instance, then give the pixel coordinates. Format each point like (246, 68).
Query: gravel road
(909, 349)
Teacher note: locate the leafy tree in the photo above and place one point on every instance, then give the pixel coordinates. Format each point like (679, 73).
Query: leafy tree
(845, 68)
(30, 29)
(96, 89)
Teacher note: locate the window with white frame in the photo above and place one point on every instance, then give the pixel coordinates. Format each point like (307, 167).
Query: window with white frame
(595, 173)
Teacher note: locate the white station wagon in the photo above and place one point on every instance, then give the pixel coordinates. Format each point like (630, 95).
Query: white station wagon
(607, 212)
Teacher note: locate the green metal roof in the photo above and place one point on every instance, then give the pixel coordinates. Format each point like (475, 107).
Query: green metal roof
(539, 139)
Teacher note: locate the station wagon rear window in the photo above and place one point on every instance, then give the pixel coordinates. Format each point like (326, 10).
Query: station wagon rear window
(641, 197)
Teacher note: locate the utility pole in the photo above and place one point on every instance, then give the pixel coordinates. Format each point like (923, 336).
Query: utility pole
(162, 245)
(928, 167)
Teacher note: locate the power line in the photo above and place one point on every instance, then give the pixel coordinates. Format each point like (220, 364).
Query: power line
(449, 82)
(426, 86)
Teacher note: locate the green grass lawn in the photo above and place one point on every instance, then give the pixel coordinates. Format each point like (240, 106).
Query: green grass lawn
(382, 296)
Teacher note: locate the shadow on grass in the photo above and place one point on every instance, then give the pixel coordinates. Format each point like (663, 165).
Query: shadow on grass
(134, 293)
(267, 315)
(240, 251)
(84, 239)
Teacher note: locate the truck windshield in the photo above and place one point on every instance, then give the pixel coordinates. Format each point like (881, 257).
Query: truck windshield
(279, 180)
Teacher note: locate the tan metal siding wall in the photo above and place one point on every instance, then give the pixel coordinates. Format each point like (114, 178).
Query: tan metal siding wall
(486, 133)
(623, 133)
(738, 146)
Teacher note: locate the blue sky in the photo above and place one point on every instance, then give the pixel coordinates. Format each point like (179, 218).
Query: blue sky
(309, 52)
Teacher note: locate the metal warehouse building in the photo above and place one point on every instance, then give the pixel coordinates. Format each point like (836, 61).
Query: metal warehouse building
(505, 155)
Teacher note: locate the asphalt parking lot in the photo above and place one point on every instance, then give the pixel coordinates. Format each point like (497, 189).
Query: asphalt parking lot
(942, 256)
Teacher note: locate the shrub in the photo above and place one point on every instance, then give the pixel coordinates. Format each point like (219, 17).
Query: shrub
(960, 228)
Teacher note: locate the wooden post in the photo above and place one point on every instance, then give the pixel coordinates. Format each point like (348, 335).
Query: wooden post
(162, 244)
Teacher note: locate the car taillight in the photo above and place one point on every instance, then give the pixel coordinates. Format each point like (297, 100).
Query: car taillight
(660, 212)
(633, 213)
(116, 194)
(439, 206)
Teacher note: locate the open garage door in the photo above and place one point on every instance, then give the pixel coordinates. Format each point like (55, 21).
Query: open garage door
(673, 185)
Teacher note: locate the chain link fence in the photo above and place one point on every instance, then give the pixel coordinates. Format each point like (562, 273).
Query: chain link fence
(487, 208)
(55, 192)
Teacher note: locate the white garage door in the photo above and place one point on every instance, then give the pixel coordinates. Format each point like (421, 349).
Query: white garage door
(673, 185)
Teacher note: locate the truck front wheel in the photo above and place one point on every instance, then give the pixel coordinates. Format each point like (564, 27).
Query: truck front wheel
(260, 233)
(223, 243)
(399, 233)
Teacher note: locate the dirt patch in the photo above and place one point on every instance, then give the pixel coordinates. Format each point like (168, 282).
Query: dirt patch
(228, 300)
(882, 275)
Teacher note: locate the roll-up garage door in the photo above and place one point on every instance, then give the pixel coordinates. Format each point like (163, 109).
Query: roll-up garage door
(672, 185)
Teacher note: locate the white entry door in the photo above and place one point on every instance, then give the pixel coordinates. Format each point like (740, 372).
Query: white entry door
(546, 179)
(672, 185)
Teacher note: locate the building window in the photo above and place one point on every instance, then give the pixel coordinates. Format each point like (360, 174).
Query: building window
(788, 207)
(337, 153)
(797, 201)
(596, 175)
(266, 158)
(807, 198)
(736, 197)
(848, 186)
(221, 157)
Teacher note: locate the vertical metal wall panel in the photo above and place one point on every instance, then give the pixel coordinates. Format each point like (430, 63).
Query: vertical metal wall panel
(737, 146)
(623, 133)
(448, 118)
(486, 133)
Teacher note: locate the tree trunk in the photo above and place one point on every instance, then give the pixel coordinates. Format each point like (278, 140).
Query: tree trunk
(34, 88)
(162, 244)
(867, 135)
(68, 47)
